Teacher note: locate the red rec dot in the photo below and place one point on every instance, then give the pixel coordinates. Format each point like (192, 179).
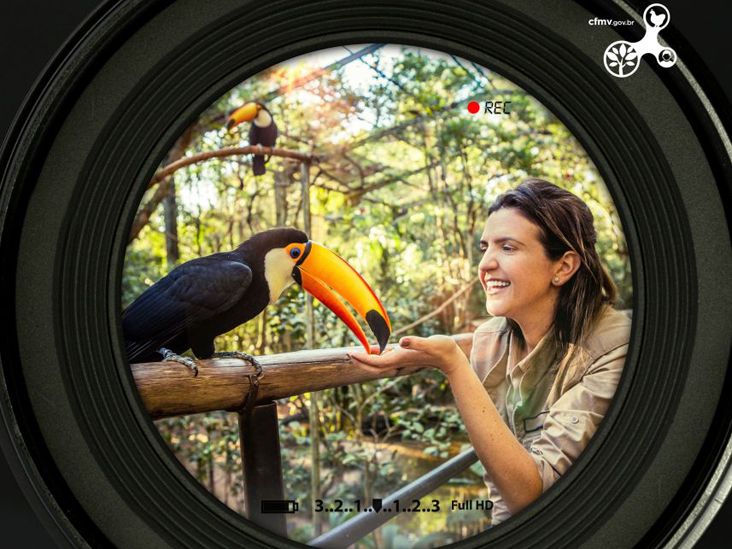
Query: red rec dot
(473, 107)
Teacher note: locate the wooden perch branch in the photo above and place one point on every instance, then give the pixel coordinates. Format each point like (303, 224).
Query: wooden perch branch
(229, 151)
(169, 389)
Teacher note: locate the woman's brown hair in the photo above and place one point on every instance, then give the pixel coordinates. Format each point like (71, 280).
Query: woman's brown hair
(566, 224)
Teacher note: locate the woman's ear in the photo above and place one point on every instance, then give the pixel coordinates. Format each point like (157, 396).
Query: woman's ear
(567, 265)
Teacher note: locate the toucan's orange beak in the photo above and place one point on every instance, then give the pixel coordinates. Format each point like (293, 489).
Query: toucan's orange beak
(323, 274)
(246, 113)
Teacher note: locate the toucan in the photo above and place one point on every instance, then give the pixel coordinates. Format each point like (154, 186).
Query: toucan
(208, 296)
(263, 131)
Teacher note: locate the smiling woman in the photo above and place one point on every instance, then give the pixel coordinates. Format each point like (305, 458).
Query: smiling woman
(543, 370)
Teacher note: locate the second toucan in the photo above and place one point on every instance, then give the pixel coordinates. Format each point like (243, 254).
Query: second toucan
(263, 130)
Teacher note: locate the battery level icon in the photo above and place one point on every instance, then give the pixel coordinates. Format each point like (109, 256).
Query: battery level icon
(279, 506)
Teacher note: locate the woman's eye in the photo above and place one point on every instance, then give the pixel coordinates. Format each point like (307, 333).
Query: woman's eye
(507, 248)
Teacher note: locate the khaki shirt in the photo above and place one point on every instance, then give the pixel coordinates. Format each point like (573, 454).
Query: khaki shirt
(554, 418)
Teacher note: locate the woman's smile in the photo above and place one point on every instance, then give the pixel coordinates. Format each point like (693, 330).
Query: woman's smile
(495, 286)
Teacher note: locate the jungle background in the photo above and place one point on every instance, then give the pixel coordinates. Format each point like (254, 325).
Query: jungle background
(400, 189)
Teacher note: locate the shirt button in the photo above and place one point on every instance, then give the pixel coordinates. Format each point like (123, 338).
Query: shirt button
(574, 419)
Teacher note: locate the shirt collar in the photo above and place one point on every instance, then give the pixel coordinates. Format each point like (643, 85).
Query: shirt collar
(539, 358)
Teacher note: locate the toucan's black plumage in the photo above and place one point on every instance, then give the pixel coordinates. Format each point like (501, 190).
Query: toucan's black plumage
(202, 299)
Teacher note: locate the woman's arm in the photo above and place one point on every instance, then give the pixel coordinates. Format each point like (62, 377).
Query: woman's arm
(507, 462)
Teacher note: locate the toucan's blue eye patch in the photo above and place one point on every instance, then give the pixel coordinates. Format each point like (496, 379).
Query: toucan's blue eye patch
(294, 253)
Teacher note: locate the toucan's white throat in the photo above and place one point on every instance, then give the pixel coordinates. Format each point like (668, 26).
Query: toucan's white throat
(277, 272)
(263, 119)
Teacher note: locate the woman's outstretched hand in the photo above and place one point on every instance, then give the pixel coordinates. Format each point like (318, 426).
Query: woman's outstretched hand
(438, 351)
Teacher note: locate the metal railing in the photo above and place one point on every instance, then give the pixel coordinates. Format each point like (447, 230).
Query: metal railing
(362, 525)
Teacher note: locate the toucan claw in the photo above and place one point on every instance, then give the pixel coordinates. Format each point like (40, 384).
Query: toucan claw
(170, 356)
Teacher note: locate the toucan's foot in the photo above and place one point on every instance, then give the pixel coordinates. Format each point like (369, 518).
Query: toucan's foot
(253, 378)
(260, 148)
(170, 356)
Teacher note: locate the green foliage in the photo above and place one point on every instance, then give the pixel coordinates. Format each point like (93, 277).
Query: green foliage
(401, 193)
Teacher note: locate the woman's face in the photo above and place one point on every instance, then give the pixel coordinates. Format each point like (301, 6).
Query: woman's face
(515, 272)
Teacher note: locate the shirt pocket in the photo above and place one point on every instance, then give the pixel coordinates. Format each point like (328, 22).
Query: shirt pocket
(535, 423)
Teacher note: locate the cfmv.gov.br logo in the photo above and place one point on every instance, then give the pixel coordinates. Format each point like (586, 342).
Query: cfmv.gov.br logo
(622, 58)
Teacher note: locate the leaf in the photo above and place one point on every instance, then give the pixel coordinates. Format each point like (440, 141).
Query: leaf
(623, 49)
(630, 63)
(613, 64)
(631, 55)
(612, 56)
(478, 468)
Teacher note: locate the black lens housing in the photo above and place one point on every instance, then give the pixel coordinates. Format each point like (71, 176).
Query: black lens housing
(90, 137)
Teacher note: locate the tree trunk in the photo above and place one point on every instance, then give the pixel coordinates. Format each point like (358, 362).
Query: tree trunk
(176, 153)
(280, 188)
(170, 214)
